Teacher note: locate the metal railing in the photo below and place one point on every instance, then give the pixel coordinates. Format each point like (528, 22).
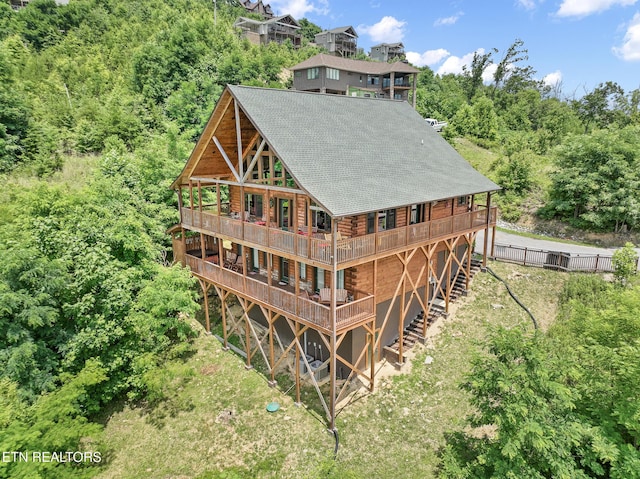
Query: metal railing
(557, 260)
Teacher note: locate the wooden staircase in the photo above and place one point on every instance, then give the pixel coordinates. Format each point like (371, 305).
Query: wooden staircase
(413, 332)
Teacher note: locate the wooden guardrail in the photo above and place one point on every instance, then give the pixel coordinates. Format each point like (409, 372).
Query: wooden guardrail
(348, 249)
(305, 309)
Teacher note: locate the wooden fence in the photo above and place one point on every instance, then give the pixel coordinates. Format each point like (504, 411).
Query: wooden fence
(556, 260)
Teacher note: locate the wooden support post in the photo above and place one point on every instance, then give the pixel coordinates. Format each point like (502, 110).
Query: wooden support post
(200, 203)
(415, 81)
(372, 355)
(239, 141)
(272, 357)
(247, 332)
(332, 352)
(375, 290)
(223, 303)
(486, 230)
(402, 313)
(449, 261)
(297, 362)
(469, 255)
(218, 199)
(203, 247)
(309, 227)
(205, 293)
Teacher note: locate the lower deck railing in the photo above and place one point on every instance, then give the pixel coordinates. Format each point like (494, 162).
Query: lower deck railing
(316, 314)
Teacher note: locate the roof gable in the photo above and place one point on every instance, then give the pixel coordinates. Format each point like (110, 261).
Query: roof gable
(351, 155)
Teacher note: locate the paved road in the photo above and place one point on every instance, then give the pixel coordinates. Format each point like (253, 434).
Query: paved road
(549, 245)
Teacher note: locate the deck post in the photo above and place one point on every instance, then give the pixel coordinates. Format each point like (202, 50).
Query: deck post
(469, 255)
(403, 312)
(486, 230)
(223, 306)
(332, 352)
(448, 261)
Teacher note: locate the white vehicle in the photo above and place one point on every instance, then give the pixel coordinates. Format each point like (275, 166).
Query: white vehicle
(437, 125)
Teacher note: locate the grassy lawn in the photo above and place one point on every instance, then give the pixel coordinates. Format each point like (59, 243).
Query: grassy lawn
(215, 417)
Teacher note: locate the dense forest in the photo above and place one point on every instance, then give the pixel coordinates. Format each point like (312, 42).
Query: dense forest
(100, 104)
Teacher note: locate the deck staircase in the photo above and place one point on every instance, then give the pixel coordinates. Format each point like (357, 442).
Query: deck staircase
(413, 332)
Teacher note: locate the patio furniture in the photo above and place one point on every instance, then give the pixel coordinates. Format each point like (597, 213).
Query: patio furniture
(341, 296)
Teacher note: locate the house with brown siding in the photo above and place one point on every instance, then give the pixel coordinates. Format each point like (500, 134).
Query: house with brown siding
(343, 76)
(326, 225)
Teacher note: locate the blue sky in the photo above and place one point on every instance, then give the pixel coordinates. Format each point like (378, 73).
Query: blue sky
(575, 44)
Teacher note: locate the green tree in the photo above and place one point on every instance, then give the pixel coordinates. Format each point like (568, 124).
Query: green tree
(510, 74)
(14, 122)
(602, 106)
(597, 182)
(56, 422)
(473, 74)
(309, 29)
(625, 264)
(520, 388)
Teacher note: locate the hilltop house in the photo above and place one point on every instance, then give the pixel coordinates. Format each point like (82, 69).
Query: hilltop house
(342, 41)
(342, 76)
(258, 8)
(275, 29)
(386, 52)
(327, 225)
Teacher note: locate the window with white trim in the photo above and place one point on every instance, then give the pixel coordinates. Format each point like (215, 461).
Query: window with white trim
(333, 74)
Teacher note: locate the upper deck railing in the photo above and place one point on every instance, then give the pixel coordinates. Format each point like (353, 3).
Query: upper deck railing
(348, 249)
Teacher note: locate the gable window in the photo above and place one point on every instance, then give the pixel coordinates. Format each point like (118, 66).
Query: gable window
(333, 74)
(313, 73)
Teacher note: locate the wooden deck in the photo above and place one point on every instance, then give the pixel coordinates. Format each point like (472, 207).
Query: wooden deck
(350, 251)
(282, 299)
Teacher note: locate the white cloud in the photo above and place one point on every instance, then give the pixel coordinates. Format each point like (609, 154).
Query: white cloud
(448, 20)
(299, 8)
(582, 8)
(553, 79)
(630, 48)
(454, 65)
(387, 30)
(430, 57)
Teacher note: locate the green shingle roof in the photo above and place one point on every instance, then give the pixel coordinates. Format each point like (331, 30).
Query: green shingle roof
(356, 155)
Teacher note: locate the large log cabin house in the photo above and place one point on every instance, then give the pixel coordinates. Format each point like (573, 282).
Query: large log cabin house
(331, 223)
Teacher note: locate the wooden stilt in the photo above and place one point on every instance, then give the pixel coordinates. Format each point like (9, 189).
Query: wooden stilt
(486, 231)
